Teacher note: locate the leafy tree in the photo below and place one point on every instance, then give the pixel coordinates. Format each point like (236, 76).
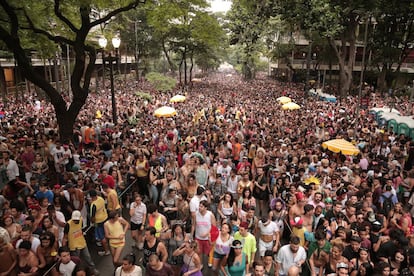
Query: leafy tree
(393, 36)
(186, 32)
(57, 22)
(246, 26)
(160, 82)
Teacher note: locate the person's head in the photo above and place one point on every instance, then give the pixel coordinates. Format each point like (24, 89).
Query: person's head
(64, 253)
(383, 268)
(320, 238)
(105, 186)
(308, 208)
(203, 206)
(268, 257)
(337, 249)
(128, 262)
(191, 245)
(243, 228)
(138, 199)
(26, 233)
(150, 233)
(258, 268)
(365, 269)
(318, 197)
(76, 216)
(47, 239)
(153, 261)
(47, 222)
(200, 190)
(113, 215)
(24, 248)
(342, 269)
(8, 220)
(355, 243)
(294, 243)
(225, 228)
(363, 253)
(177, 229)
(247, 193)
(152, 209)
(398, 256)
(294, 271)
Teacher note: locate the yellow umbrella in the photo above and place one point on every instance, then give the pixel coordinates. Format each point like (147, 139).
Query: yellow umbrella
(340, 145)
(177, 99)
(290, 106)
(284, 100)
(165, 111)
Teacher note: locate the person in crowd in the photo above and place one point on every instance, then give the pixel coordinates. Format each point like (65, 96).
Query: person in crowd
(222, 247)
(115, 231)
(27, 261)
(128, 267)
(237, 263)
(290, 255)
(191, 260)
(249, 241)
(99, 215)
(47, 252)
(138, 214)
(176, 241)
(153, 246)
(69, 265)
(8, 258)
(74, 239)
(156, 267)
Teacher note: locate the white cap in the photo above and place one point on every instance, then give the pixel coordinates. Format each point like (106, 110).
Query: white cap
(76, 215)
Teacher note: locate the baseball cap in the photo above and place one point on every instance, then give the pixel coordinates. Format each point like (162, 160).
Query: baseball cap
(76, 215)
(297, 221)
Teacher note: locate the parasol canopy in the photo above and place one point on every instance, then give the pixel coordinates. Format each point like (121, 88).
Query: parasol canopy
(342, 146)
(177, 99)
(290, 106)
(165, 112)
(284, 100)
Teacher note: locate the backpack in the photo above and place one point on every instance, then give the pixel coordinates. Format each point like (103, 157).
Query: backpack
(387, 204)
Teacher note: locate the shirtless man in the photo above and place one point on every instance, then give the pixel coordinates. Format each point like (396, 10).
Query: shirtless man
(297, 209)
(320, 254)
(308, 217)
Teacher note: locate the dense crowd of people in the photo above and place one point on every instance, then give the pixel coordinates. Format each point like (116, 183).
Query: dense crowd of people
(231, 185)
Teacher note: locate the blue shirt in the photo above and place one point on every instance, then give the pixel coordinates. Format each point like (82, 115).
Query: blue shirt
(48, 194)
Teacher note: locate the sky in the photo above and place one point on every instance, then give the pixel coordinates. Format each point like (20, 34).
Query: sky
(220, 5)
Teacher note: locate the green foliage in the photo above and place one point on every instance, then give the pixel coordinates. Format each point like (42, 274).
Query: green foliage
(186, 30)
(160, 82)
(144, 95)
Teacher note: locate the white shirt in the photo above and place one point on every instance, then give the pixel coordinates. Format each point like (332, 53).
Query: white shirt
(195, 202)
(286, 259)
(139, 212)
(67, 269)
(136, 272)
(269, 229)
(35, 243)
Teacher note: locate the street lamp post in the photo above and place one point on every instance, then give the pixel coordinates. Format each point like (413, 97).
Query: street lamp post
(116, 42)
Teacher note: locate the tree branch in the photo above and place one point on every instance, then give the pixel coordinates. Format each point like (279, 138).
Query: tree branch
(59, 14)
(128, 7)
(55, 38)
(14, 22)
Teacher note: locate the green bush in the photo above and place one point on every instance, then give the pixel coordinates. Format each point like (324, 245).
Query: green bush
(160, 82)
(144, 95)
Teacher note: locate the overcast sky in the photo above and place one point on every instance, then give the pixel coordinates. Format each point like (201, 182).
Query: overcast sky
(220, 5)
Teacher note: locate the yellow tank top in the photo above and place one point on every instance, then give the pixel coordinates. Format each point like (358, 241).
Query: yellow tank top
(115, 229)
(114, 195)
(101, 215)
(157, 224)
(76, 240)
(141, 172)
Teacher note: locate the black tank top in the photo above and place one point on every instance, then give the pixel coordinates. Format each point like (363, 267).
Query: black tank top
(149, 251)
(328, 268)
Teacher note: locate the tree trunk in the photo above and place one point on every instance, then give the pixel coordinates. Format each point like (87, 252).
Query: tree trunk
(3, 85)
(179, 72)
(381, 80)
(191, 68)
(167, 56)
(185, 66)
